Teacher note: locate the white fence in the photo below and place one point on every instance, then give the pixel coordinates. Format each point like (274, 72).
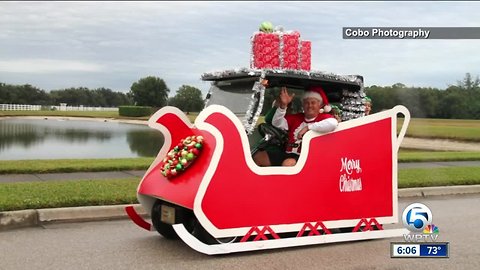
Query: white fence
(62, 107)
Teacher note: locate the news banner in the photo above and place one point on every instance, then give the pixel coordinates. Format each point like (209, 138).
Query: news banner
(421, 240)
(425, 250)
(411, 32)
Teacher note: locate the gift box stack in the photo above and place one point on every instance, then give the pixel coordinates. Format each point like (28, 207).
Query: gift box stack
(280, 50)
(266, 51)
(305, 54)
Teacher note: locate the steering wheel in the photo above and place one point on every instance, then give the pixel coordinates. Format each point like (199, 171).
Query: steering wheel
(273, 135)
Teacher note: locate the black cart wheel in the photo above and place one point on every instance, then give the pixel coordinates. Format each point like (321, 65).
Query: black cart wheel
(188, 219)
(166, 230)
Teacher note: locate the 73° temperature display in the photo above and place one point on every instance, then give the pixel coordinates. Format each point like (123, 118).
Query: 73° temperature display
(419, 250)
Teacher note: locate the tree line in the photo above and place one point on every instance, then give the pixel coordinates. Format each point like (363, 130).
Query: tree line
(460, 101)
(28, 94)
(153, 91)
(149, 91)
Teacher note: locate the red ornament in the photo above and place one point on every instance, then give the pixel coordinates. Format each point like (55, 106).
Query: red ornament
(176, 158)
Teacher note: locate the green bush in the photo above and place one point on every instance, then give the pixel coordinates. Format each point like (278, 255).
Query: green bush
(134, 111)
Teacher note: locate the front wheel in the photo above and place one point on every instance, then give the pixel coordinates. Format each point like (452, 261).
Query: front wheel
(165, 229)
(188, 219)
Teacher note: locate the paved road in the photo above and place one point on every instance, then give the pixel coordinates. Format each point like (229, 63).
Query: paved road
(8, 178)
(439, 164)
(121, 245)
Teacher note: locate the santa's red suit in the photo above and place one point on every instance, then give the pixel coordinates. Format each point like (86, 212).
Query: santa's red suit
(294, 123)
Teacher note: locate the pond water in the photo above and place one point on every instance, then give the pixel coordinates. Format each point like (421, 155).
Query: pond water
(22, 139)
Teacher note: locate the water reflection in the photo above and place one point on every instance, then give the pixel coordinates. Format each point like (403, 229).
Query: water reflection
(28, 133)
(144, 144)
(52, 138)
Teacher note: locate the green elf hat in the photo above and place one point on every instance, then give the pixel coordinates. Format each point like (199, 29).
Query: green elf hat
(335, 108)
(266, 27)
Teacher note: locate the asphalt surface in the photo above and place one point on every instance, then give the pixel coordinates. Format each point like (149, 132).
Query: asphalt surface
(9, 178)
(122, 245)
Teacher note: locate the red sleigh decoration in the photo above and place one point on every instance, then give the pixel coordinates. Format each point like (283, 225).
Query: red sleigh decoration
(231, 196)
(340, 181)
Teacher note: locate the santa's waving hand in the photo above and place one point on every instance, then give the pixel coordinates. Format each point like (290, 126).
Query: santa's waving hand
(314, 117)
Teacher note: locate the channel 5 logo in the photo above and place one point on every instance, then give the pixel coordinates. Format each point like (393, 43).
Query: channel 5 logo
(416, 217)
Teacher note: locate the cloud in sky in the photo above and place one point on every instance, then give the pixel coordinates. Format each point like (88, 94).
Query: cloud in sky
(55, 45)
(46, 66)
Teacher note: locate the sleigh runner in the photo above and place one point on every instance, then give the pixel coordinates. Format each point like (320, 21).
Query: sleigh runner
(205, 188)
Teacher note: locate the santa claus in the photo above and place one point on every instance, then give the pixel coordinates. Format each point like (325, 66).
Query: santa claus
(315, 117)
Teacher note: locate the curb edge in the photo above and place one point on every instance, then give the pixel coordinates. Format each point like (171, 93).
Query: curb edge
(38, 217)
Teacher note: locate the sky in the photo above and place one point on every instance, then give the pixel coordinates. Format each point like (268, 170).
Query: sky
(57, 45)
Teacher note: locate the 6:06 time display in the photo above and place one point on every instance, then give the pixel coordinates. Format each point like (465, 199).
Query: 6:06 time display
(419, 250)
(405, 250)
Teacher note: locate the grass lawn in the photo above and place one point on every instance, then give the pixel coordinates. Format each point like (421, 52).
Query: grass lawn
(73, 165)
(52, 194)
(34, 195)
(90, 114)
(93, 114)
(427, 177)
(125, 164)
(424, 156)
(453, 129)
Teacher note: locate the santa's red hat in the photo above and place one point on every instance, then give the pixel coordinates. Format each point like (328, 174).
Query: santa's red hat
(318, 93)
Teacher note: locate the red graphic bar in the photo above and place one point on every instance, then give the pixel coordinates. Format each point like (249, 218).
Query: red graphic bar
(260, 234)
(313, 229)
(368, 225)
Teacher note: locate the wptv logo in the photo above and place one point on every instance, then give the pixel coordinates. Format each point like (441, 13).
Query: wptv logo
(417, 218)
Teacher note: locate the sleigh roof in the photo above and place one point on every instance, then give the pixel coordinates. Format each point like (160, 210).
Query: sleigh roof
(333, 84)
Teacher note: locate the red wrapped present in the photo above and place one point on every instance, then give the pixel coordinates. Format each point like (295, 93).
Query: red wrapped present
(290, 51)
(280, 50)
(305, 55)
(265, 50)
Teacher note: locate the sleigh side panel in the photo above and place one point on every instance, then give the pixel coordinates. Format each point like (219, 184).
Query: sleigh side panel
(180, 189)
(323, 190)
(240, 195)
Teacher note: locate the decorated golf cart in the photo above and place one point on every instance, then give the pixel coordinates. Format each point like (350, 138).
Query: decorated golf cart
(205, 188)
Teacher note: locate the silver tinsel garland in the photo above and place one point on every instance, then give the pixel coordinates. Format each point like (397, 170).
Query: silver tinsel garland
(312, 74)
(255, 106)
(352, 103)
